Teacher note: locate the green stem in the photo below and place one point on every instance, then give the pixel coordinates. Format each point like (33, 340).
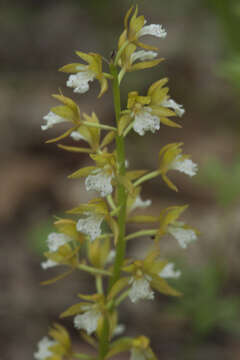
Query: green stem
(126, 131)
(111, 202)
(119, 53)
(121, 75)
(146, 177)
(141, 233)
(99, 284)
(121, 204)
(122, 297)
(121, 193)
(104, 339)
(93, 270)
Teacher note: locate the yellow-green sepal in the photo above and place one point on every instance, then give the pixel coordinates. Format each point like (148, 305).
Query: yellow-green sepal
(119, 346)
(83, 172)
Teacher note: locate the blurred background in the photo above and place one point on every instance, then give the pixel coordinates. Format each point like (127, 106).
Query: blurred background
(202, 50)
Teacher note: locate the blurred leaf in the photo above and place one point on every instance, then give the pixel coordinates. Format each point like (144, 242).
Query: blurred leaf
(203, 306)
(222, 179)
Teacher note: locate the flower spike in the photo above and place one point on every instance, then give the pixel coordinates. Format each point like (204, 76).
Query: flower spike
(95, 236)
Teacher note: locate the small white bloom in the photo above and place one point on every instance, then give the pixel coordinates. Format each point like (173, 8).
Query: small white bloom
(169, 272)
(90, 225)
(137, 354)
(51, 118)
(183, 236)
(87, 321)
(99, 181)
(141, 289)
(48, 264)
(187, 166)
(55, 241)
(119, 330)
(179, 109)
(139, 203)
(75, 135)
(80, 81)
(144, 121)
(111, 256)
(43, 349)
(126, 163)
(143, 55)
(154, 30)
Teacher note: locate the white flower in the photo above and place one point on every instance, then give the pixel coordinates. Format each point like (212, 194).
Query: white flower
(154, 30)
(119, 330)
(187, 166)
(55, 241)
(90, 225)
(48, 264)
(140, 289)
(179, 110)
(183, 236)
(139, 203)
(144, 121)
(87, 321)
(111, 256)
(80, 81)
(99, 181)
(143, 55)
(51, 118)
(137, 354)
(169, 272)
(43, 349)
(75, 135)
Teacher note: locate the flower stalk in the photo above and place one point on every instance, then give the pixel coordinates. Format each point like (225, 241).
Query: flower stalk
(95, 240)
(121, 192)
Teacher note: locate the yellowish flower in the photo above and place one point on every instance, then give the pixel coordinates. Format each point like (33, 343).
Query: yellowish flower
(84, 73)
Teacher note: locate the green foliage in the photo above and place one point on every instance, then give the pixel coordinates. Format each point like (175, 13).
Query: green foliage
(223, 180)
(228, 13)
(204, 305)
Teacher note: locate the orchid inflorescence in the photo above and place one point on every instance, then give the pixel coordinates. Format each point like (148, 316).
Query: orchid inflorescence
(93, 238)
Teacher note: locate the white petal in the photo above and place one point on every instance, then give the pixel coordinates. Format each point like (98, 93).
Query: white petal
(43, 348)
(154, 30)
(143, 55)
(111, 256)
(75, 135)
(119, 330)
(48, 264)
(187, 166)
(179, 110)
(144, 121)
(140, 289)
(169, 272)
(99, 181)
(87, 321)
(90, 225)
(139, 203)
(55, 240)
(183, 236)
(51, 118)
(80, 81)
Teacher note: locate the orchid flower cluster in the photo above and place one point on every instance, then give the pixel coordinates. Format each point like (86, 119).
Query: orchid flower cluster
(93, 236)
